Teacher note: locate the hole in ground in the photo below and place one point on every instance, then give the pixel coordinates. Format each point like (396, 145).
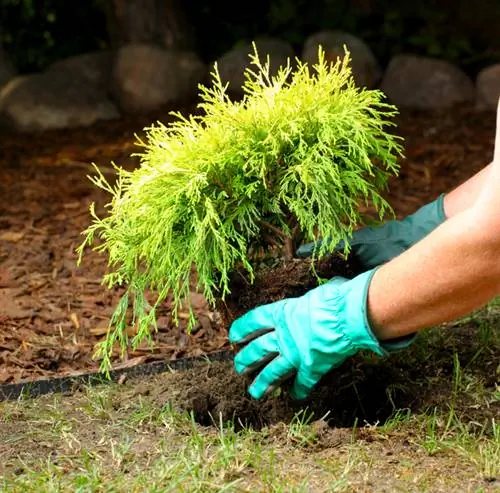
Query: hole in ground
(356, 393)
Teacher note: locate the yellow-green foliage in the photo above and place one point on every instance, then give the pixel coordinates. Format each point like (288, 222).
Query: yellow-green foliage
(292, 160)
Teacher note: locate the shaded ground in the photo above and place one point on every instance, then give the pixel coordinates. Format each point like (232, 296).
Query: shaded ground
(52, 313)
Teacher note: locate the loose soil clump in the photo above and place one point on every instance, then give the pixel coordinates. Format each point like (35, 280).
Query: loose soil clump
(365, 389)
(349, 395)
(288, 279)
(355, 391)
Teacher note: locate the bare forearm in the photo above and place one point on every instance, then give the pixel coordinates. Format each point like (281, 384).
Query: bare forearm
(465, 195)
(453, 270)
(448, 274)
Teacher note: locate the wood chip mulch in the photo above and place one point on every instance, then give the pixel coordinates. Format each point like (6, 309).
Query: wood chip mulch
(52, 313)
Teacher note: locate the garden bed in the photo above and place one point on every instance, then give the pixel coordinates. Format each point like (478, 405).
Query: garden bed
(425, 419)
(52, 313)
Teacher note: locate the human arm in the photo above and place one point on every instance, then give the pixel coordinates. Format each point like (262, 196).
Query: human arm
(452, 271)
(447, 274)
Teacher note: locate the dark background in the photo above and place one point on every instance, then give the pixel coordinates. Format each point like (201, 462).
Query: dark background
(38, 32)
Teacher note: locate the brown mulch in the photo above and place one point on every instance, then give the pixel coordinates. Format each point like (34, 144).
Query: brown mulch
(52, 312)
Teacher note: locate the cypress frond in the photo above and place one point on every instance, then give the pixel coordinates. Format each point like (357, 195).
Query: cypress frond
(305, 147)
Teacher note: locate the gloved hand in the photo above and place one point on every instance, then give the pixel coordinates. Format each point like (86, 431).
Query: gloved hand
(376, 245)
(306, 336)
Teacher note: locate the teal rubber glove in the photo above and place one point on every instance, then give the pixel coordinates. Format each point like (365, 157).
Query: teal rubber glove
(305, 336)
(376, 245)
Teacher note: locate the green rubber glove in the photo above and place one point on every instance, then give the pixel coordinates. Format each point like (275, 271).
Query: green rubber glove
(377, 245)
(305, 336)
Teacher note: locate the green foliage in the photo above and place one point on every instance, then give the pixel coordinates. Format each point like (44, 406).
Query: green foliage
(37, 33)
(290, 162)
(422, 28)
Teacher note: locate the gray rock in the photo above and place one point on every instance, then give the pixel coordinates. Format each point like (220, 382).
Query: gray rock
(7, 70)
(366, 70)
(57, 98)
(94, 67)
(426, 83)
(232, 65)
(488, 87)
(146, 77)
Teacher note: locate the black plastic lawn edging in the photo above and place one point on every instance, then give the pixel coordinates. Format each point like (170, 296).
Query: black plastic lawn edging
(71, 383)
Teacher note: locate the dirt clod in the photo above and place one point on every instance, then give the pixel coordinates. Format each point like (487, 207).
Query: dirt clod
(289, 279)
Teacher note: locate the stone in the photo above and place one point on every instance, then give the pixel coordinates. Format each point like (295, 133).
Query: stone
(54, 99)
(366, 70)
(488, 87)
(146, 77)
(94, 67)
(426, 83)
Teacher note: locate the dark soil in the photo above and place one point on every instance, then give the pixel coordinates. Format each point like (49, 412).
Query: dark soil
(353, 393)
(364, 390)
(289, 279)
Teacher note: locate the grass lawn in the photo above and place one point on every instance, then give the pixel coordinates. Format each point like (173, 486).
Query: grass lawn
(116, 438)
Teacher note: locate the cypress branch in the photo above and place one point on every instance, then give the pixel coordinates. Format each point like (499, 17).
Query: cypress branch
(292, 160)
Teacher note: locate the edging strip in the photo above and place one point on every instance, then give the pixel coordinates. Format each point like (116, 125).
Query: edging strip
(70, 383)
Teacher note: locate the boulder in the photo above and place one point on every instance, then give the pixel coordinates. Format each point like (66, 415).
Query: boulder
(488, 87)
(94, 67)
(426, 83)
(56, 98)
(146, 77)
(365, 67)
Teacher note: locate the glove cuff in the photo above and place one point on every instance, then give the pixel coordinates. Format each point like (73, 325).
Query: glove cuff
(399, 343)
(425, 219)
(357, 299)
(359, 330)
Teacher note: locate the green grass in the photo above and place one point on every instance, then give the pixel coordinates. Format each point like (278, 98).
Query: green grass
(179, 456)
(155, 450)
(96, 442)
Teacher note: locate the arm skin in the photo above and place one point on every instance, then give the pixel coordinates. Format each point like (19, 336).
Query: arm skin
(452, 271)
(464, 196)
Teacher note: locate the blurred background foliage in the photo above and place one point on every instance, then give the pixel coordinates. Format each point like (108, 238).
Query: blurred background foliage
(38, 32)
(35, 33)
